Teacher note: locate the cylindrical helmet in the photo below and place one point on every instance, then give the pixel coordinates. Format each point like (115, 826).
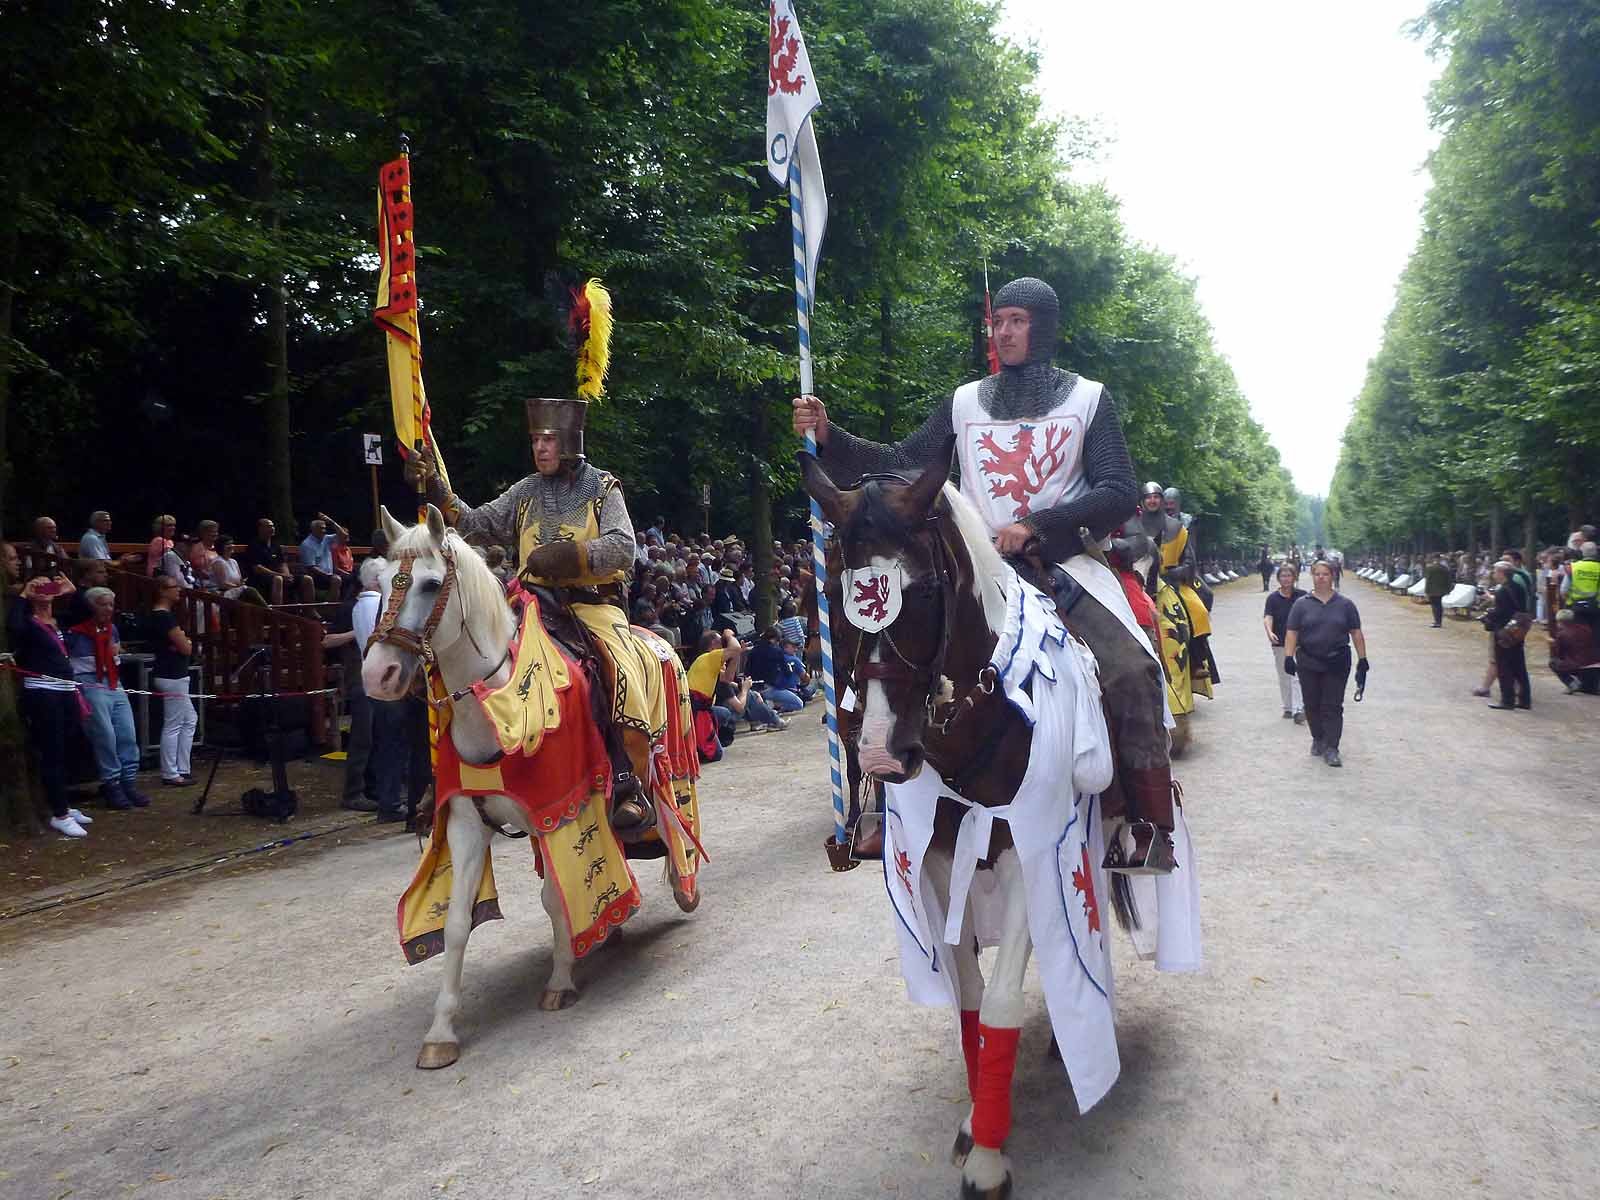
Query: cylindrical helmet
(564, 419)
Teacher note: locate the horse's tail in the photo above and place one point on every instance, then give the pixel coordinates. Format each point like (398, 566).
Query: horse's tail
(1122, 901)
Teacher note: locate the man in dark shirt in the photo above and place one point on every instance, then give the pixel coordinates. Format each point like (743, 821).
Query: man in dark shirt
(1436, 585)
(265, 568)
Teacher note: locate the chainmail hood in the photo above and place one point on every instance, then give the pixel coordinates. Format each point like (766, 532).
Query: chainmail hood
(1033, 388)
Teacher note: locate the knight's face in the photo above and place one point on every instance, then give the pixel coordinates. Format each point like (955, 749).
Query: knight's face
(1011, 327)
(546, 453)
(1172, 508)
(1152, 503)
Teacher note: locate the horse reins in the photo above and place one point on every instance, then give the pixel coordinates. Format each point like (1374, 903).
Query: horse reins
(388, 629)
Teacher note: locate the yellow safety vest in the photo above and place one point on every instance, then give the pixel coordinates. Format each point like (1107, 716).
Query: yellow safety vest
(1585, 580)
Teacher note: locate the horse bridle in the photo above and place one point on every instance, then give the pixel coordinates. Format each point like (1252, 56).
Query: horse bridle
(903, 670)
(388, 631)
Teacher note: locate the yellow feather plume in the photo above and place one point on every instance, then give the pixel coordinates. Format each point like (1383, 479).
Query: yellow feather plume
(594, 352)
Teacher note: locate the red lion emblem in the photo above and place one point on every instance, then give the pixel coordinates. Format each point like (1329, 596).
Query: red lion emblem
(1083, 881)
(872, 598)
(783, 56)
(1021, 472)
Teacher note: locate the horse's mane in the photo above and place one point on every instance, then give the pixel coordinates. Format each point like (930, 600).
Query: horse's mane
(990, 573)
(480, 591)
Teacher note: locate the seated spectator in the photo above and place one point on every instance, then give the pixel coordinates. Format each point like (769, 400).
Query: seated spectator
(1573, 656)
(49, 699)
(226, 576)
(644, 616)
(11, 569)
(344, 558)
(697, 618)
(736, 698)
(164, 527)
(203, 552)
(94, 648)
(796, 679)
(175, 563)
(316, 555)
(266, 569)
(765, 663)
(95, 542)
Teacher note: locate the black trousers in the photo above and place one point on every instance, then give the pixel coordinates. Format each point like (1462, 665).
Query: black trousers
(1437, 604)
(1323, 692)
(1511, 665)
(1265, 576)
(1588, 678)
(50, 717)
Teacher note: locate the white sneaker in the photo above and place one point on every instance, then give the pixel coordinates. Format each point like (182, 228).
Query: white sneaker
(80, 818)
(67, 827)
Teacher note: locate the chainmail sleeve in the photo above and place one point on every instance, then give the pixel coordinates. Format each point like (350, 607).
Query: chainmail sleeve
(497, 520)
(1112, 493)
(847, 457)
(613, 549)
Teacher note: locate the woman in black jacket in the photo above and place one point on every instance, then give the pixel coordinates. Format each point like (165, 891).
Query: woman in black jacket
(50, 704)
(1507, 627)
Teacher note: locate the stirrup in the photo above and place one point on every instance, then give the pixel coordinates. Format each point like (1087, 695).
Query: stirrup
(866, 839)
(625, 789)
(1139, 848)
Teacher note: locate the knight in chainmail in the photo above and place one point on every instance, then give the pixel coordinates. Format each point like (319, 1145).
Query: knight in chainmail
(573, 537)
(1041, 455)
(1180, 566)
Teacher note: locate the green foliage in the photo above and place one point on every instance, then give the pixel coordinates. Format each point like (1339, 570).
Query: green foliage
(551, 142)
(1484, 390)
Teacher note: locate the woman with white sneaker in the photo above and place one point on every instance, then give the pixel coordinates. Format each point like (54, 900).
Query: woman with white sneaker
(171, 679)
(50, 703)
(1275, 620)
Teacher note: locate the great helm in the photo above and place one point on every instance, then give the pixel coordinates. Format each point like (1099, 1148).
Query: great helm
(591, 328)
(564, 419)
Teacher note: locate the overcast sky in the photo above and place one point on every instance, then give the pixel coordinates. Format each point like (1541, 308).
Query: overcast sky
(1275, 148)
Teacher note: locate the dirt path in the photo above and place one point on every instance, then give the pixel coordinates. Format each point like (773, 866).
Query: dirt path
(1400, 999)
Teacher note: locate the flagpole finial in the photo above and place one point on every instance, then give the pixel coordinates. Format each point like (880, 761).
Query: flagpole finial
(405, 143)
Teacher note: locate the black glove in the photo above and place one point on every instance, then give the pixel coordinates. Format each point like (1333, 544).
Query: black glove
(1288, 665)
(1361, 673)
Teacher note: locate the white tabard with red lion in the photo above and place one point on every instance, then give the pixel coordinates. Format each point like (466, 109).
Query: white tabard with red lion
(1012, 469)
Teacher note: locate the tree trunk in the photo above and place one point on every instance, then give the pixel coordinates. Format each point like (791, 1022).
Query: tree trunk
(280, 487)
(761, 511)
(8, 285)
(887, 405)
(1530, 533)
(1574, 489)
(1495, 530)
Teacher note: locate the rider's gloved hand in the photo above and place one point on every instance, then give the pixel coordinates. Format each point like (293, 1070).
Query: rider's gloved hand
(557, 560)
(1289, 667)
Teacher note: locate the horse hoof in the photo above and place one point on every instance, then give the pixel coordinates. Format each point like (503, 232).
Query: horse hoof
(962, 1148)
(689, 900)
(555, 1001)
(437, 1054)
(1001, 1191)
(1054, 1052)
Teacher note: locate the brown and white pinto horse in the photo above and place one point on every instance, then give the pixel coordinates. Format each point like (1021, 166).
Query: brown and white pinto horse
(927, 699)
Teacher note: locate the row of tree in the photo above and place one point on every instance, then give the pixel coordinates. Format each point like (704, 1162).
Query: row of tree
(186, 266)
(1480, 403)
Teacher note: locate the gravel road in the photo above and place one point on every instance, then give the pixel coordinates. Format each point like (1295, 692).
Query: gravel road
(1401, 996)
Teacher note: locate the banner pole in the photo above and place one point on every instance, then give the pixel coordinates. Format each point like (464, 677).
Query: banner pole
(819, 553)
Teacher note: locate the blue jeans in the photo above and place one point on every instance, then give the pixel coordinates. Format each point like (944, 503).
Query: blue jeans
(783, 700)
(757, 712)
(111, 733)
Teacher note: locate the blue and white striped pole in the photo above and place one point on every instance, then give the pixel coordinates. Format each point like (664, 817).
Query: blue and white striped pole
(819, 554)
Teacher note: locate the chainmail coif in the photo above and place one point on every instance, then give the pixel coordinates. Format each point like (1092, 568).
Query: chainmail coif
(1034, 388)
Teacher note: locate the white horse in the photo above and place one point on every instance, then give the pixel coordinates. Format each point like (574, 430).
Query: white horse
(468, 636)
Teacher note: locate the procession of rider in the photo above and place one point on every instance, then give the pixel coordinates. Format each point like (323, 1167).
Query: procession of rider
(573, 538)
(1043, 459)
(1163, 519)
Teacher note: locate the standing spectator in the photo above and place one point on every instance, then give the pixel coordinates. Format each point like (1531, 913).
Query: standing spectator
(265, 567)
(203, 552)
(344, 558)
(1436, 585)
(360, 779)
(95, 573)
(171, 679)
(43, 554)
(1275, 620)
(49, 697)
(1572, 655)
(164, 528)
(95, 651)
(95, 542)
(1508, 623)
(1317, 649)
(1583, 592)
(1264, 565)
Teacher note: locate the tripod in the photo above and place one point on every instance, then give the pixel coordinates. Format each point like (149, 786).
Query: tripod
(281, 802)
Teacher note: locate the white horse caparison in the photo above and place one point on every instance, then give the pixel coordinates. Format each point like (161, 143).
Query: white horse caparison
(469, 644)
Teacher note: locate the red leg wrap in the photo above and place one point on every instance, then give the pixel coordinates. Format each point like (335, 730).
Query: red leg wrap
(991, 1102)
(969, 1048)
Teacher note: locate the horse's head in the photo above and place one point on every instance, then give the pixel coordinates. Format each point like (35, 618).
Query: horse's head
(421, 607)
(893, 606)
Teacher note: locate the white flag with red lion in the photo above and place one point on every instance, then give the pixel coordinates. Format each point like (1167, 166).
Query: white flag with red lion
(792, 97)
